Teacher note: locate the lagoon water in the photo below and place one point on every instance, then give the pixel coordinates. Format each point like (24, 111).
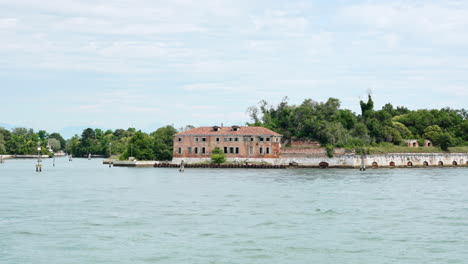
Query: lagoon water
(85, 212)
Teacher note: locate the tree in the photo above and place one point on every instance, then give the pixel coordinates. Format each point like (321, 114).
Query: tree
(217, 156)
(2, 145)
(432, 132)
(140, 145)
(55, 144)
(59, 138)
(367, 108)
(444, 140)
(163, 142)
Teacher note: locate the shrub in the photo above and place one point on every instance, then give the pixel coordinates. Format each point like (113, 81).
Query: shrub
(217, 156)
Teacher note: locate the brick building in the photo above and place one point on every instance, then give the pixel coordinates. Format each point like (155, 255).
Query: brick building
(235, 141)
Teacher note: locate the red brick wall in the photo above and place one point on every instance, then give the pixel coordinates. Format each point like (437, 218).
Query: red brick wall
(305, 143)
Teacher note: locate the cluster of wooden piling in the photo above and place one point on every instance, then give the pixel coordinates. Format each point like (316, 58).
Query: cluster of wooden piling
(246, 166)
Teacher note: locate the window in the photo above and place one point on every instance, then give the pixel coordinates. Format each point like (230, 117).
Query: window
(261, 151)
(275, 153)
(196, 150)
(196, 139)
(217, 139)
(252, 139)
(276, 139)
(237, 150)
(189, 150)
(225, 150)
(203, 150)
(267, 139)
(203, 139)
(179, 139)
(251, 150)
(267, 150)
(236, 139)
(231, 150)
(230, 139)
(260, 139)
(225, 139)
(180, 150)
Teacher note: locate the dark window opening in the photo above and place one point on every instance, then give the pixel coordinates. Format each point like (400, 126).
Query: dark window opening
(225, 150)
(231, 150)
(196, 150)
(261, 151)
(217, 139)
(267, 150)
(203, 150)
(203, 139)
(179, 139)
(267, 139)
(236, 139)
(237, 150)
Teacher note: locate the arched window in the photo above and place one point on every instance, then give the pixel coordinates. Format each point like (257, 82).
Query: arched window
(426, 164)
(409, 164)
(441, 163)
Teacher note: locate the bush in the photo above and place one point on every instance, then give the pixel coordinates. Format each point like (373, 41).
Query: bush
(217, 156)
(330, 151)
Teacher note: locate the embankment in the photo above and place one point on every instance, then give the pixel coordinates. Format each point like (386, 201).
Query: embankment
(390, 160)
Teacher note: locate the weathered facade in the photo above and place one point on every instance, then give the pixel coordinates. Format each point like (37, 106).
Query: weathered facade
(235, 142)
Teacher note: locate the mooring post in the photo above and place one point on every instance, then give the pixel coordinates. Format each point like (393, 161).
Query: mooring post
(38, 166)
(54, 160)
(110, 154)
(363, 164)
(1, 158)
(70, 158)
(182, 166)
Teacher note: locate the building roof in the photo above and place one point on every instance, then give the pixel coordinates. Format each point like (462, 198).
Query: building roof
(241, 131)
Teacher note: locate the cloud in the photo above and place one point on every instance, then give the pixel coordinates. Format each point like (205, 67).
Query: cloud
(443, 22)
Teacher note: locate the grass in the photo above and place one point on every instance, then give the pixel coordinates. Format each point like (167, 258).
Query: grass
(458, 149)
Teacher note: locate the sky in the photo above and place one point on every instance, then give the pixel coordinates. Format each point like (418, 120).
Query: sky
(67, 65)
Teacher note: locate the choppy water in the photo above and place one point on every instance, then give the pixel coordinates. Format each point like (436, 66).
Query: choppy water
(85, 212)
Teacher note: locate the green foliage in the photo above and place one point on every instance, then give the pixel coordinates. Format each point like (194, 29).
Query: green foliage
(2, 145)
(58, 137)
(163, 142)
(217, 156)
(330, 150)
(444, 140)
(54, 144)
(328, 124)
(140, 147)
(367, 108)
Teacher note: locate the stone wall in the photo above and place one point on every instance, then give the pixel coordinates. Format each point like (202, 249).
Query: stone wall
(401, 160)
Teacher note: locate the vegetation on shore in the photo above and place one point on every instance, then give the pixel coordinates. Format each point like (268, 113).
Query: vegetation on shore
(372, 131)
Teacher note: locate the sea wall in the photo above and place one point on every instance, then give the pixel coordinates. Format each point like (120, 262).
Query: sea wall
(401, 160)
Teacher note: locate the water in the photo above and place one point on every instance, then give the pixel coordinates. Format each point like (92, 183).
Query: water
(85, 212)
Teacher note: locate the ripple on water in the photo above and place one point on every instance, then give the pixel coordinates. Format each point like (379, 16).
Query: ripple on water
(28, 233)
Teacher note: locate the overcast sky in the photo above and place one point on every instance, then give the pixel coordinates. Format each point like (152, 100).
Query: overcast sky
(144, 64)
